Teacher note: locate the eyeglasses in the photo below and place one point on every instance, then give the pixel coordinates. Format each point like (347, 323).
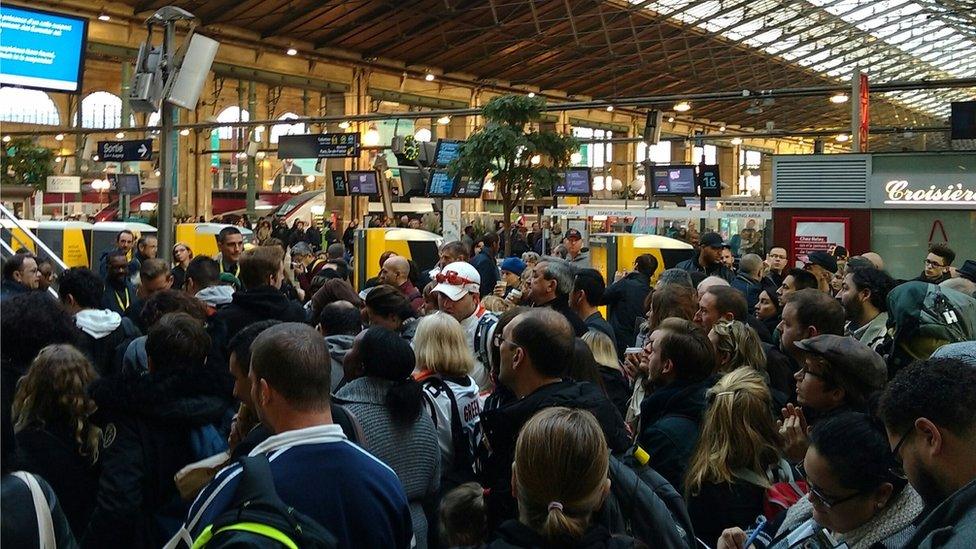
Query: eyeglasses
(930, 263)
(815, 493)
(452, 278)
(498, 339)
(804, 370)
(898, 470)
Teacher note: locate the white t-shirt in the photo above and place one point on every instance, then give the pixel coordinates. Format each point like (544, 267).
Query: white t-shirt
(438, 405)
(480, 372)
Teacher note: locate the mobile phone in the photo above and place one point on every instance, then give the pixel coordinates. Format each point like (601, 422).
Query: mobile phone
(633, 350)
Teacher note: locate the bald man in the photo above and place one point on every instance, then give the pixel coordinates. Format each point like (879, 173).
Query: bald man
(875, 259)
(396, 273)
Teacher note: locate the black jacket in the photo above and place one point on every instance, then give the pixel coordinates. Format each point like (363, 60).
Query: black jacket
(10, 288)
(103, 352)
(18, 526)
(501, 426)
(147, 424)
(596, 322)
(719, 270)
(670, 423)
(618, 389)
(51, 452)
(561, 305)
(625, 302)
(750, 289)
(512, 534)
(262, 303)
(726, 505)
(119, 300)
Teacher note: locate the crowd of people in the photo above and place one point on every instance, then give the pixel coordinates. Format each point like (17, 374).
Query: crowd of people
(728, 401)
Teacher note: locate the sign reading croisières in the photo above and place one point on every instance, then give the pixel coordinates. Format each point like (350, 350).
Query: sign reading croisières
(902, 192)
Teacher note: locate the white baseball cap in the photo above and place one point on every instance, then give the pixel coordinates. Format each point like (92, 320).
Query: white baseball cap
(457, 280)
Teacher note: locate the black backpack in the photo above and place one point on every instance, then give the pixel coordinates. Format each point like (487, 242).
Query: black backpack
(642, 504)
(258, 518)
(462, 468)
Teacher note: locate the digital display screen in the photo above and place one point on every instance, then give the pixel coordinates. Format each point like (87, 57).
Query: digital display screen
(575, 182)
(362, 183)
(441, 184)
(447, 150)
(125, 183)
(673, 180)
(41, 49)
(339, 187)
(470, 187)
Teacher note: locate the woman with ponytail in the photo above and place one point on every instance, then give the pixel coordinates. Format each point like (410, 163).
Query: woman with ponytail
(387, 402)
(559, 479)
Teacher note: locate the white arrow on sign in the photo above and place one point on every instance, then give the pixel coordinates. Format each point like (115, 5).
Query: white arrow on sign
(143, 150)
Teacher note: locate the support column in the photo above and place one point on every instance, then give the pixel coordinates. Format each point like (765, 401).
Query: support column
(252, 165)
(126, 112)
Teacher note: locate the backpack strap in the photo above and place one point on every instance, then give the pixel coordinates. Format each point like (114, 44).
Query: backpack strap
(457, 431)
(349, 423)
(42, 510)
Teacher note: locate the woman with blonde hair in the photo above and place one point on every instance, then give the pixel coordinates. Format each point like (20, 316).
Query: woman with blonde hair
(737, 457)
(444, 365)
(738, 345)
(559, 479)
(182, 254)
(54, 433)
(614, 382)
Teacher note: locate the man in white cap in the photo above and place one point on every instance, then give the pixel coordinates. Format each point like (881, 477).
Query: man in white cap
(458, 292)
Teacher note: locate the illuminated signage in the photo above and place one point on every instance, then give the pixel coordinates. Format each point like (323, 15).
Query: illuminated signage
(899, 191)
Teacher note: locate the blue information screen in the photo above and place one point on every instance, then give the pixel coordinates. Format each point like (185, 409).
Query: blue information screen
(576, 182)
(40, 49)
(447, 150)
(441, 184)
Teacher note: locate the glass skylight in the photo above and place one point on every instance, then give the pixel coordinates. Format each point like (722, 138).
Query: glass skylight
(888, 39)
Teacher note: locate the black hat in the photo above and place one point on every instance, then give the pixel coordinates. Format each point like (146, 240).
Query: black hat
(823, 259)
(849, 358)
(573, 234)
(968, 270)
(712, 240)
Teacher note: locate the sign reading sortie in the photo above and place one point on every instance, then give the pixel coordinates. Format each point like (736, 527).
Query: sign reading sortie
(899, 192)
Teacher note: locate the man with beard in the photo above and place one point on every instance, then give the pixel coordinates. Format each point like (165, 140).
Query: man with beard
(864, 295)
(928, 413)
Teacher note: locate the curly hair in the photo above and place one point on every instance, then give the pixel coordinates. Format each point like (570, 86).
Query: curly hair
(32, 321)
(55, 391)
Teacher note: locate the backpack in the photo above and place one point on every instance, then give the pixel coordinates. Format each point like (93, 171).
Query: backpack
(462, 468)
(258, 518)
(787, 488)
(643, 505)
(921, 311)
(206, 441)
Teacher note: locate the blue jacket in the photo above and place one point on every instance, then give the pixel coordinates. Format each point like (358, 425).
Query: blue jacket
(488, 269)
(750, 289)
(316, 470)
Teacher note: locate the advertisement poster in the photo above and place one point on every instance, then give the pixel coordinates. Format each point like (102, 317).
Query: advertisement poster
(811, 234)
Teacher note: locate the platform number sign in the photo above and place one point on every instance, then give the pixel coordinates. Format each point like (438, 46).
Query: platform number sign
(709, 182)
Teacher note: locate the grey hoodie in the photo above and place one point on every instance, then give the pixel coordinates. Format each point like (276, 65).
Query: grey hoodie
(216, 296)
(339, 347)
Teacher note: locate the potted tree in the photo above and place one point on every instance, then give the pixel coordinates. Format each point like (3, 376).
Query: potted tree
(520, 160)
(25, 163)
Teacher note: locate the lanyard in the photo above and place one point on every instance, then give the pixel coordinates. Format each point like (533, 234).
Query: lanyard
(237, 269)
(119, 299)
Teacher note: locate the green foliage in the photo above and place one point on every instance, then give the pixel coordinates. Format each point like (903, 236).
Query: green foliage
(25, 163)
(504, 148)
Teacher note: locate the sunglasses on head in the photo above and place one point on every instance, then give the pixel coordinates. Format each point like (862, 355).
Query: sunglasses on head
(452, 278)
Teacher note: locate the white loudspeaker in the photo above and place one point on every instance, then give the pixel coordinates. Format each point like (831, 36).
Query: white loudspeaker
(188, 83)
(252, 149)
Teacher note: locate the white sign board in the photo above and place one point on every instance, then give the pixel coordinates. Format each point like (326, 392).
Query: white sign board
(452, 220)
(63, 184)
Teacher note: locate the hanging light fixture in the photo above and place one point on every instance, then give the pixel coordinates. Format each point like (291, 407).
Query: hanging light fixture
(104, 17)
(291, 51)
(344, 125)
(609, 108)
(682, 106)
(429, 76)
(531, 95)
(736, 140)
(120, 135)
(372, 136)
(444, 120)
(423, 135)
(721, 128)
(839, 98)
(59, 137)
(671, 119)
(185, 131)
(842, 138)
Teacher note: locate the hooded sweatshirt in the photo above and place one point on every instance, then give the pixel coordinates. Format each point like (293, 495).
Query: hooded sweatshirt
(256, 304)
(104, 331)
(98, 323)
(216, 296)
(339, 347)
